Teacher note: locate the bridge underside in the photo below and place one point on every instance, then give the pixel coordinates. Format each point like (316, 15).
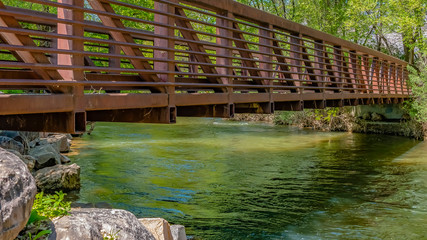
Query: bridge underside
(66, 62)
(153, 108)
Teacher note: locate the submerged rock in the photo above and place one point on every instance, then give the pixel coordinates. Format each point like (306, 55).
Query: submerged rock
(17, 191)
(58, 177)
(98, 223)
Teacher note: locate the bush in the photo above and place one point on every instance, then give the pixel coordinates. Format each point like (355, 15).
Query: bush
(51, 206)
(418, 84)
(45, 207)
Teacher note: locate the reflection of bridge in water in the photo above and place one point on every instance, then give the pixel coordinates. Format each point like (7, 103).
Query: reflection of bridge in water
(113, 61)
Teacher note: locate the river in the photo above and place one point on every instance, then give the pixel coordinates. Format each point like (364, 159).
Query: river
(237, 180)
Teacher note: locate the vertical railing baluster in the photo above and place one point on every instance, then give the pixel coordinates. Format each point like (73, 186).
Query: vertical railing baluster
(388, 79)
(366, 74)
(319, 52)
(400, 78)
(296, 57)
(338, 67)
(227, 61)
(114, 49)
(77, 123)
(353, 71)
(265, 39)
(169, 67)
(373, 77)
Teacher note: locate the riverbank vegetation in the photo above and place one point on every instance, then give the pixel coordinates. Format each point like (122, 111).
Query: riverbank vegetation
(345, 120)
(46, 207)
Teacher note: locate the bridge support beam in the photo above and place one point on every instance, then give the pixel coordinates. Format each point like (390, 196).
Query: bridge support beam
(260, 108)
(289, 106)
(142, 115)
(61, 122)
(334, 103)
(218, 110)
(315, 104)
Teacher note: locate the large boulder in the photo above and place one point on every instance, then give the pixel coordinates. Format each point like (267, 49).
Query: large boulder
(59, 142)
(159, 227)
(17, 191)
(58, 177)
(97, 223)
(45, 155)
(10, 143)
(27, 159)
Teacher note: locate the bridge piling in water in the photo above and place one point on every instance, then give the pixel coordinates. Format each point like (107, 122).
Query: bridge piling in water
(118, 62)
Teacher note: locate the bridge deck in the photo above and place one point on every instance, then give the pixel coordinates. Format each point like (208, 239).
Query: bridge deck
(64, 63)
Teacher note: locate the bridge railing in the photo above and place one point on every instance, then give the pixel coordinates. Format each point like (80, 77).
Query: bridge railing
(92, 58)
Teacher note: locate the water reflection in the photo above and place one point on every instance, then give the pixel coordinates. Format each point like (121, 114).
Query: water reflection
(230, 180)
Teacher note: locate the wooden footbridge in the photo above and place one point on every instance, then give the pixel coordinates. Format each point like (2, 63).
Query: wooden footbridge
(66, 62)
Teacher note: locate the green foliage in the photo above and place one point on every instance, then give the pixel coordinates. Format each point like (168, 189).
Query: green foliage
(45, 207)
(35, 217)
(366, 22)
(39, 234)
(284, 118)
(418, 84)
(112, 235)
(326, 115)
(51, 206)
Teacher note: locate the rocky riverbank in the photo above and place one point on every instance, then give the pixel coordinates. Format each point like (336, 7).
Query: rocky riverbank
(31, 162)
(44, 156)
(343, 120)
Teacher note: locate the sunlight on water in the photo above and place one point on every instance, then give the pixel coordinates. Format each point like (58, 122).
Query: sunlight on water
(234, 180)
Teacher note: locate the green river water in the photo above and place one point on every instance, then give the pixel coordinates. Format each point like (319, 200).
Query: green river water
(237, 180)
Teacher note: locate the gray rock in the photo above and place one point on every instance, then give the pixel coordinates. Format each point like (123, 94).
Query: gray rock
(30, 136)
(178, 232)
(15, 153)
(11, 134)
(59, 142)
(366, 116)
(65, 159)
(97, 223)
(58, 177)
(69, 137)
(30, 161)
(377, 117)
(45, 155)
(27, 159)
(9, 143)
(17, 191)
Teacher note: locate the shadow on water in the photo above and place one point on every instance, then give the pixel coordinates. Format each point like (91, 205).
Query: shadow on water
(231, 180)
